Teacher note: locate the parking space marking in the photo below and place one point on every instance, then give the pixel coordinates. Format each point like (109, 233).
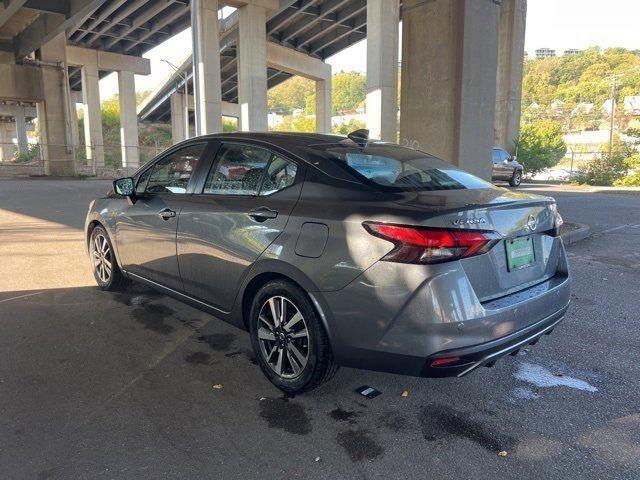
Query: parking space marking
(22, 296)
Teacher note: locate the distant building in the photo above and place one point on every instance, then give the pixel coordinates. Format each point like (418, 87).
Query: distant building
(545, 52)
(606, 107)
(274, 119)
(632, 105)
(582, 108)
(572, 51)
(557, 106)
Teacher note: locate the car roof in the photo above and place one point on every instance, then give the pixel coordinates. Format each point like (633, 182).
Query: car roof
(278, 138)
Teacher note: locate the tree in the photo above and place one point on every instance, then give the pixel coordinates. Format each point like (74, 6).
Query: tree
(540, 145)
(349, 92)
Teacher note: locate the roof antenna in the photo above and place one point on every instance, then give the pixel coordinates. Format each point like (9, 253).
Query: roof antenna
(361, 137)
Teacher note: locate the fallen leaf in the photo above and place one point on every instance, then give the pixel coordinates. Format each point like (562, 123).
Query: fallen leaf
(558, 374)
(502, 453)
(404, 394)
(217, 386)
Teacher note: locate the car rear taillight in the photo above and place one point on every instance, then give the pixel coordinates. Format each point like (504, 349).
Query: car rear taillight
(431, 245)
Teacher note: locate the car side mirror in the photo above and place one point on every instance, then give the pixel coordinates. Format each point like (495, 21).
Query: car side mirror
(124, 186)
(506, 161)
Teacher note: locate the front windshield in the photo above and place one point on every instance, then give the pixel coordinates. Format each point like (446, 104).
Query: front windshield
(395, 168)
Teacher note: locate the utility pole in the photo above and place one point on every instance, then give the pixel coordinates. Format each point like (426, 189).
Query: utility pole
(613, 115)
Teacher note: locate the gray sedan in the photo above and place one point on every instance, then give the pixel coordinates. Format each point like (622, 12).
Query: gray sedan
(337, 251)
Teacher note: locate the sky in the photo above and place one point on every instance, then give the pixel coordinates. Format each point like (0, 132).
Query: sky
(558, 24)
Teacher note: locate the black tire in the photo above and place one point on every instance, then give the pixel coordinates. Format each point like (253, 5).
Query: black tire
(516, 178)
(319, 366)
(115, 280)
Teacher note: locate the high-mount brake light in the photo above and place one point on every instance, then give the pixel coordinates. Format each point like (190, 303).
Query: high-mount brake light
(426, 245)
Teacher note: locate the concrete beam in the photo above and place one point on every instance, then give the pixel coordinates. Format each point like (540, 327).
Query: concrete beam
(513, 18)
(270, 5)
(252, 68)
(17, 110)
(128, 120)
(108, 61)
(382, 69)
(449, 64)
(48, 25)
(21, 82)
(206, 66)
(9, 10)
(296, 63)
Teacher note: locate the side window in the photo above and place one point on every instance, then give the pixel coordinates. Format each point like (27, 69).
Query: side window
(238, 170)
(172, 173)
(505, 155)
(280, 174)
(496, 155)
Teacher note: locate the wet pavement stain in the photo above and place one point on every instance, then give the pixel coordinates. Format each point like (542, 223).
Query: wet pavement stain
(218, 341)
(341, 415)
(285, 414)
(359, 445)
(441, 422)
(152, 316)
(394, 421)
(198, 358)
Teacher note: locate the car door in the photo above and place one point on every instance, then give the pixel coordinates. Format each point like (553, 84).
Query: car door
(146, 228)
(242, 207)
(501, 170)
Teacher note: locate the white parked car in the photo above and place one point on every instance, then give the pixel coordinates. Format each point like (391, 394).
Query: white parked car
(555, 175)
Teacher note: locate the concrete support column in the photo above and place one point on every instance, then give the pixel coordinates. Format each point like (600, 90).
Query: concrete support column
(74, 98)
(252, 68)
(382, 69)
(449, 64)
(177, 117)
(513, 18)
(323, 105)
(57, 155)
(21, 134)
(92, 115)
(6, 142)
(128, 120)
(206, 66)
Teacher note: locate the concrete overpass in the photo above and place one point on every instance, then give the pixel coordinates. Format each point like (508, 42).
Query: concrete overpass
(461, 67)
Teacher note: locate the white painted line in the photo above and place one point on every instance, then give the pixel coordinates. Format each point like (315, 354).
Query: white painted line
(22, 296)
(615, 229)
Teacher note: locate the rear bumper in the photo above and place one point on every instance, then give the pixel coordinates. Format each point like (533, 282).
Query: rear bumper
(486, 354)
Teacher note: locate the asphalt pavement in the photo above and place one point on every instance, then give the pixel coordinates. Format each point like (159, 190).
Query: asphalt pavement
(138, 385)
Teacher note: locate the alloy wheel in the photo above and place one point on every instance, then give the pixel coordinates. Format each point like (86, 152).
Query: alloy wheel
(101, 257)
(283, 337)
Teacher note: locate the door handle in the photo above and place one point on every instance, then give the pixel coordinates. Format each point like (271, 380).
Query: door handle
(166, 214)
(263, 213)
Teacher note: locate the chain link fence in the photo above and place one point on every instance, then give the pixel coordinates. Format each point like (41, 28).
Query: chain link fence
(104, 161)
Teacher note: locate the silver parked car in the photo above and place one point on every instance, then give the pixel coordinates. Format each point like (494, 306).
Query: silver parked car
(337, 251)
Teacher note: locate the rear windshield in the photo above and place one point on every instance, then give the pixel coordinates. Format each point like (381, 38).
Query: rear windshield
(395, 168)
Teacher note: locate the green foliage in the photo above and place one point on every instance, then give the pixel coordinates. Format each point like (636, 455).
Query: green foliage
(605, 169)
(540, 145)
(351, 126)
(300, 123)
(229, 126)
(289, 95)
(581, 78)
(33, 153)
(349, 92)
(632, 180)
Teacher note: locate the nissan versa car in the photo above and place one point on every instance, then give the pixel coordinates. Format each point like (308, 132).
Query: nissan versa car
(337, 251)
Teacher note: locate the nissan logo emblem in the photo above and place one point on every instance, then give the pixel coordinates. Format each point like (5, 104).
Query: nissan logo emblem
(532, 223)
